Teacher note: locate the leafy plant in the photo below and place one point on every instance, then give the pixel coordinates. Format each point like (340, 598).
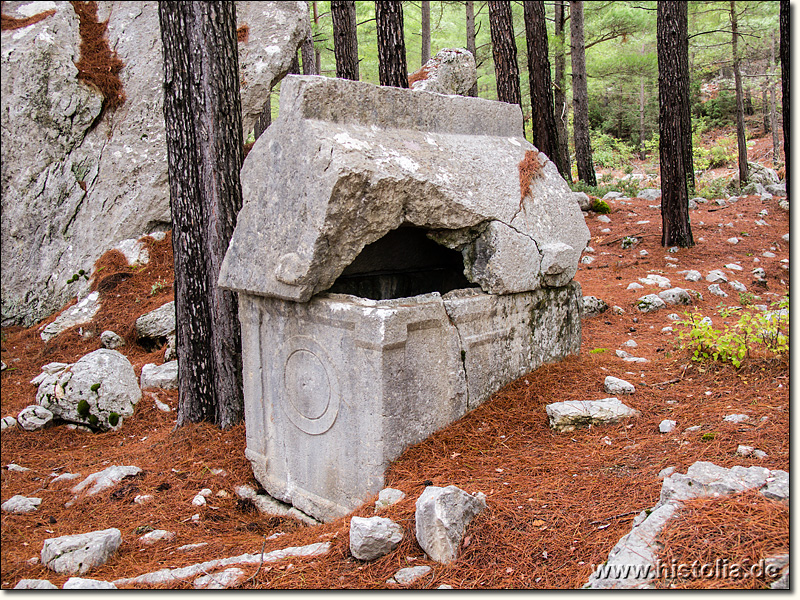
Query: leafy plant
(157, 287)
(753, 332)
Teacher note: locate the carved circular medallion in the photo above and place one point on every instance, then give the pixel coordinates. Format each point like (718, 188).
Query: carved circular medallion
(310, 385)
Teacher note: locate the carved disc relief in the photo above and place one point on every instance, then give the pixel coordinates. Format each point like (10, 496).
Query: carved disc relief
(311, 399)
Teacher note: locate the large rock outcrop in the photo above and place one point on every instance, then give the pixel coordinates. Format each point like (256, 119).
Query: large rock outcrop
(74, 181)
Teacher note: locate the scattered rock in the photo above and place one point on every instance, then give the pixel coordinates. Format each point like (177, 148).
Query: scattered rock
(736, 418)
(270, 506)
(650, 303)
(102, 480)
(158, 323)
(650, 194)
(675, 296)
(666, 472)
(35, 584)
(111, 340)
(593, 306)
(135, 252)
(163, 376)
(653, 279)
(100, 390)
(157, 535)
(34, 418)
(387, 497)
(77, 554)
(83, 312)
(716, 276)
(143, 499)
(604, 219)
(373, 537)
(574, 414)
(583, 200)
(743, 450)
(738, 286)
(15, 468)
(614, 385)
(635, 286)
(717, 291)
(442, 516)
(190, 547)
(733, 240)
(630, 344)
(613, 196)
(409, 575)
(220, 580)
(20, 504)
(8, 422)
(667, 426)
(78, 583)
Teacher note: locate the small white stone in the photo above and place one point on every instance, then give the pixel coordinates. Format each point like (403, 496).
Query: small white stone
(634, 286)
(736, 418)
(198, 500)
(743, 450)
(666, 426)
(768, 254)
(143, 498)
(733, 240)
(205, 492)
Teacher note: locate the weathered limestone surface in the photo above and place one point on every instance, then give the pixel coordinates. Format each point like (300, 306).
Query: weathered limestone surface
(77, 554)
(74, 185)
(441, 518)
(451, 71)
(423, 362)
(376, 158)
(100, 390)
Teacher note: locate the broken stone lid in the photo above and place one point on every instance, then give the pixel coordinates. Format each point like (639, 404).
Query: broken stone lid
(348, 162)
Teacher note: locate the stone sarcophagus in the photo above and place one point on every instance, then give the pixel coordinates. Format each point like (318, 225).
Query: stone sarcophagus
(400, 256)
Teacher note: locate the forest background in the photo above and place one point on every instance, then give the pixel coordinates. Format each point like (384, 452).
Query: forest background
(622, 70)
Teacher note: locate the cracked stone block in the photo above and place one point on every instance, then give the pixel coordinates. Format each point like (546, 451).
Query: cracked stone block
(373, 537)
(20, 504)
(615, 385)
(574, 414)
(441, 519)
(451, 71)
(77, 554)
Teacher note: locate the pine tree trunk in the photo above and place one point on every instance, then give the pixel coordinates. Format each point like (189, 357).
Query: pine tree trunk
(309, 60)
(580, 96)
(202, 112)
(785, 71)
(741, 139)
(345, 38)
(560, 91)
(317, 53)
(470, 26)
(543, 121)
(765, 104)
(426, 32)
(642, 154)
(504, 51)
(672, 26)
(688, 158)
(392, 69)
(773, 115)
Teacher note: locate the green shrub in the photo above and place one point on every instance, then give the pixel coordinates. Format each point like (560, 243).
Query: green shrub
(754, 332)
(609, 152)
(601, 206)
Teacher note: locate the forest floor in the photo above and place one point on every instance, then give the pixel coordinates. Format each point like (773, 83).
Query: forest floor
(557, 502)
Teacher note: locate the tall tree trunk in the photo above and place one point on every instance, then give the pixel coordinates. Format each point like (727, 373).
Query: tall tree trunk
(671, 28)
(426, 32)
(307, 53)
(741, 139)
(642, 154)
(345, 39)
(543, 121)
(470, 25)
(264, 120)
(504, 51)
(765, 104)
(686, 105)
(317, 53)
(773, 116)
(202, 112)
(580, 96)
(785, 70)
(392, 69)
(560, 91)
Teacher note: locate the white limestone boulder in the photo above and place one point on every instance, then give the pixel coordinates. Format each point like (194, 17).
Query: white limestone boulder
(100, 390)
(442, 516)
(78, 554)
(373, 537)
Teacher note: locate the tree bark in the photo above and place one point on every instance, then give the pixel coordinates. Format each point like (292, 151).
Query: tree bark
(560, 91)
(202, 112)
(345, 38)
(580, 96)
(317, 54)
(642, 154)
(426, 32)
(470, 26)
(309, 59)
(543, 120)
(785, 71)
(773, 115)
(686, 106)
(671, 27)
(392, 69)
(741, 140)
(504, 51)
